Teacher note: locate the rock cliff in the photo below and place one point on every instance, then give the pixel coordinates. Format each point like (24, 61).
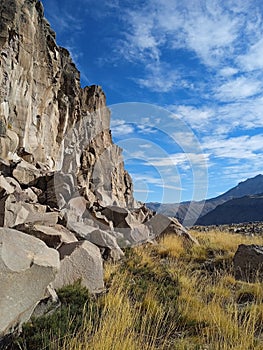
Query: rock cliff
(44, 113)
(66, 202)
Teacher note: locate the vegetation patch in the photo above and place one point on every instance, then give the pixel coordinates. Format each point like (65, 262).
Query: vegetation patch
(163, 296)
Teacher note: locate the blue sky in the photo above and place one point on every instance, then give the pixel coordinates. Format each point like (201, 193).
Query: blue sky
(184, 81)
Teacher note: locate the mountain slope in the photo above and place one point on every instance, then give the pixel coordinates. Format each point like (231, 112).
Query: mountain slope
(238, 210)
(189, 212)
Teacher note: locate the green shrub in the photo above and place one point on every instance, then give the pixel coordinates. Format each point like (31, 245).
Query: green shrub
(66, 321)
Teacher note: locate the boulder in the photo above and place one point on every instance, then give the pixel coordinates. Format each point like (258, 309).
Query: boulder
(81, 229)
(27, 266)
(57, 189)
(103, 239)
(54, 236)
(5, 186)
(130, 237)
(107, 241)
(117, 215)
(75, 210)
(142, 214)
(31, 195)
(14, 212)
(8, 143)
(161, 225)
(25, 173)
(15, 184)
(248, 263)
(99, 220)
(80, 261)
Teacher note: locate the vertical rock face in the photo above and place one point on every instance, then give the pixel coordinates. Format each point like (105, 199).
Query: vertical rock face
(44, 113)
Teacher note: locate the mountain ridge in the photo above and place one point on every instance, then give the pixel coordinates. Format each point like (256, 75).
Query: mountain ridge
(189, 212)
(234, 211)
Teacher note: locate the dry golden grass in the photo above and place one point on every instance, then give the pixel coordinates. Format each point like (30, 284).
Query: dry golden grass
(224, 241)
(171, 246)
(115, 327)
(209, 315)
(164, 297)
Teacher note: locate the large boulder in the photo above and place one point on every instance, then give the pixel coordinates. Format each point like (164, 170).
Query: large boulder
(14, 212)
(133, 236)
(117, 215)
(75, 210)
(27, 266)
(57, 189)
(80, 261)
(162, 225)
(248, 263)
(25, 173)
(103, 239)
(54, 236)
(100, 238)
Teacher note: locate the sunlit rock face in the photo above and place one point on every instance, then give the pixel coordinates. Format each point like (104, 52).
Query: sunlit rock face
(46, 117)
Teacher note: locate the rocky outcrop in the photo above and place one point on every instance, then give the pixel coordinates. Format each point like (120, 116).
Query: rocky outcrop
(62, 180)
(27, 267)
(248, 263)
(45, 115)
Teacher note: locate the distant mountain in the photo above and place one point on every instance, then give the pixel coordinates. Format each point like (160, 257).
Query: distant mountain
(188, 212)
(234, 211)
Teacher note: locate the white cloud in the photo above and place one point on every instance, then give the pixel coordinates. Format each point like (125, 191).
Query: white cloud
(137, 190)
(239, 88)
(180, 159)
(196, 117)
(145, 146)
(171, 187)
(210, 32)
(159, 78)
(240, 147)
(120, 127)
(146, 129)
(252, 60)
(207, 28)
(140, 43)
(62, 18)
(228, 71)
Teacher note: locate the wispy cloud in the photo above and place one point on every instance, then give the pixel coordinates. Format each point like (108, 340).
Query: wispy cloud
(159, 78)
(64, 20)
(252, 60)
(137, 190)
(238, 89)
(205, 28)
(179, 159)
(240, 147)
(121, 127)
